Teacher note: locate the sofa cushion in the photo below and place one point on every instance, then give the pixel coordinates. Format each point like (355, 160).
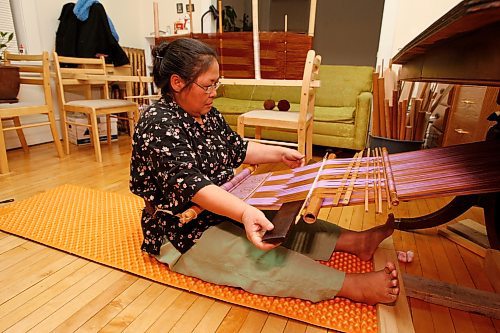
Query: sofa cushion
(334, 114)
(340, 85)
(261, 93)
(239, 106)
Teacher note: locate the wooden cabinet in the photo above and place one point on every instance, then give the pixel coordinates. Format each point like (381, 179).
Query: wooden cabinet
(465, 120)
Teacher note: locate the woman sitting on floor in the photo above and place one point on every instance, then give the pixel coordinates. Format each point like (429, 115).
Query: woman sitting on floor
(183, 151)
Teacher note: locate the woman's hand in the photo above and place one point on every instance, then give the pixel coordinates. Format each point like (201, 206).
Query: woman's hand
(256, 224)
(292, 158)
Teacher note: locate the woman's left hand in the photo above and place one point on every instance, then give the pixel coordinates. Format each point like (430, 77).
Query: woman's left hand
(292, 158)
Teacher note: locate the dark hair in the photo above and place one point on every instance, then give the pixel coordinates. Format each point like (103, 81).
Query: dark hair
(185, 57)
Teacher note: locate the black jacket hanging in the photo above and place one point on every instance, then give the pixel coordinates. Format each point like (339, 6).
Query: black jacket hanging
(75, 38)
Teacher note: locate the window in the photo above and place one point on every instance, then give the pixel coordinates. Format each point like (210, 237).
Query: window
(7, 23)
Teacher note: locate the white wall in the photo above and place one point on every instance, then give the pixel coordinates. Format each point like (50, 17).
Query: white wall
(37, 22)
(403, 20)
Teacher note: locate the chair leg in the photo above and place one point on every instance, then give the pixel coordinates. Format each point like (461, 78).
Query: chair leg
(108, 128)
(309, 143)
(64, 128)
(241, 126)
(95, 137)
(301, 141)
(4, 165)
(20, 134)
(258, 132)
(55, 134)
(131, 122)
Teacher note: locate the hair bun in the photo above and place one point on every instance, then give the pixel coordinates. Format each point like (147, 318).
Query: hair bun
(160, 50)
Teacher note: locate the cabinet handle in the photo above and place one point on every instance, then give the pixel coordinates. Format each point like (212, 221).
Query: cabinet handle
(468, 101)
(461, 131)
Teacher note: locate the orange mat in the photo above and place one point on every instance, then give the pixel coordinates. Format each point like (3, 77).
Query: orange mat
(105, 227)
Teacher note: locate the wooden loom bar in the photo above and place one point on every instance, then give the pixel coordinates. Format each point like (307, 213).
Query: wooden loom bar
(193, 211)
(311, 190)
(367, 178)
(350, 188)
(393, 195)
(340, 189)
(378, 181)
(312, 209)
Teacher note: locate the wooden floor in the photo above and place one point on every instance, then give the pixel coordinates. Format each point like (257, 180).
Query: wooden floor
(42, 289)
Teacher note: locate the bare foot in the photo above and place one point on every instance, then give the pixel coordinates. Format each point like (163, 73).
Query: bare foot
(372, 288)
(364, 243)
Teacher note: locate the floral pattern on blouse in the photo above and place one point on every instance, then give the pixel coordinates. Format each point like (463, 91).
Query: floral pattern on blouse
(173, 157)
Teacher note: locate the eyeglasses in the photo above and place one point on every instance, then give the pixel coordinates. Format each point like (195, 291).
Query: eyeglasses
(209, 89)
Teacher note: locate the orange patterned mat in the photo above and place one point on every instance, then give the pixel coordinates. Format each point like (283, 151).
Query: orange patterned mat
(105, 227)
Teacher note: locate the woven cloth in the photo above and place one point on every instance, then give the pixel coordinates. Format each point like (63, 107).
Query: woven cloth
(105, 227)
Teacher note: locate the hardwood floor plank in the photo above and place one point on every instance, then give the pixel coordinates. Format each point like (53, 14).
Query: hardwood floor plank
(153, 312)
(105, 315)
(274, 324)
(10, 242)
(36, 272)
(86, 296)
(213, 318)
(293, 326)
(173, 313)
(233, 320)
(87, 311)
(18, 254)
(254, 322)
(44, 285)
(190, 319)
(54, 302)
(134, 309)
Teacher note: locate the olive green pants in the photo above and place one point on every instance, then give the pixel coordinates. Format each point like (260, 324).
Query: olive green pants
(223, 255)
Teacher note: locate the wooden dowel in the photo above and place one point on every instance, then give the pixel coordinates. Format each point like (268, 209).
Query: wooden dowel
(381, 107)
(374, 181)
(395, 114)
(367, 178)
(340, 189)
(311, 190)
(391, 185)
(354, 175)
(420, 125)
(375, 113)
(378, 181)
(387, 117)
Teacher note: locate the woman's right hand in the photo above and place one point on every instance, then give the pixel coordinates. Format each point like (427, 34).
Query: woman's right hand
(256, 224)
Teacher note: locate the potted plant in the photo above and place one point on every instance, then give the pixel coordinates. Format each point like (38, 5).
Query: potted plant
(9, 75)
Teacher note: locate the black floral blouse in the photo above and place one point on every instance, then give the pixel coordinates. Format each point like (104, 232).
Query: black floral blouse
(173, 157)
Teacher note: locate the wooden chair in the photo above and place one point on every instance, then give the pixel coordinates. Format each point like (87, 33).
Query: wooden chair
(300, 122)
(143, 99)
(87, 72)
(33, 70)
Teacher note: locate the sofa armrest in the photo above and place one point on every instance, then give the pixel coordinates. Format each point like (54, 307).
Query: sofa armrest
(362, 119)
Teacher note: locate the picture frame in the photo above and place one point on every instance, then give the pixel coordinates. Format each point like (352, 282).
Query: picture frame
(187, 8)
(179, 8)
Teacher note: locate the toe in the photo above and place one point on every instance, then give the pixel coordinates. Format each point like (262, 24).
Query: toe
(390, 265)
(394, 291)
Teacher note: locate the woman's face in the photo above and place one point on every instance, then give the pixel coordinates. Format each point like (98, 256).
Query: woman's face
(194, 99)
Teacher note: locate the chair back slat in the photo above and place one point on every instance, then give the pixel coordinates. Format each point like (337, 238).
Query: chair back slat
(81, 72)
(36, 81)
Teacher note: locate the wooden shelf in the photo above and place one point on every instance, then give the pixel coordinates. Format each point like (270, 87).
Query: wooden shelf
(463, 46)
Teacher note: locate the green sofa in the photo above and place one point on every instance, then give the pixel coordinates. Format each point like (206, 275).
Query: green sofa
(342, 111)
